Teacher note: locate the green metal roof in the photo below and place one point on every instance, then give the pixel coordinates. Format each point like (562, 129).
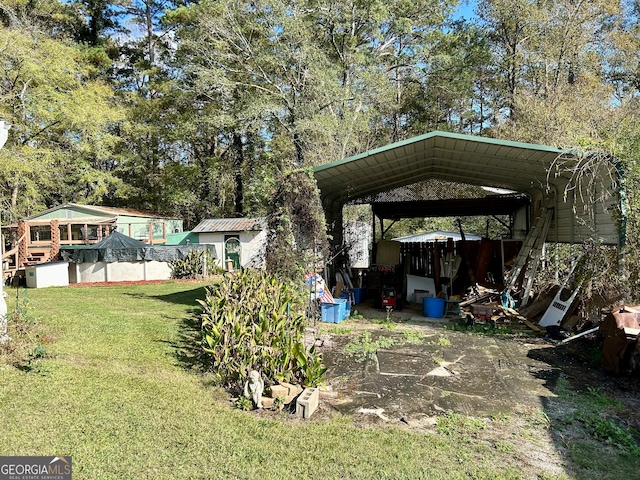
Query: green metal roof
(480, 161)
(446, 156)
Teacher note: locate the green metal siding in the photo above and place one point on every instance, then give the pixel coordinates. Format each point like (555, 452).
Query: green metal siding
(71, 213)
(182, 238)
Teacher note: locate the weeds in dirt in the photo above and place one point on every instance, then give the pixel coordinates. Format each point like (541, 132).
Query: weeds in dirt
(500, 417)
(441, 342)
(363, 347)
(452, 423)
(596, 413)
(386, 323)
(609, 432)
(414, 338)
(339, 331)
(505, 447)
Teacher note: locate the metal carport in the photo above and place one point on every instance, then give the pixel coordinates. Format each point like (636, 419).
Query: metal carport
(584, 187)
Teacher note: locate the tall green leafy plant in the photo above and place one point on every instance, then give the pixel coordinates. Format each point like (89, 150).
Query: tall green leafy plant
(255, 321)
(194, 265)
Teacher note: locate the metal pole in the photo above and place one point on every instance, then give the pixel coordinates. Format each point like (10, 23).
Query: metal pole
(4, 337)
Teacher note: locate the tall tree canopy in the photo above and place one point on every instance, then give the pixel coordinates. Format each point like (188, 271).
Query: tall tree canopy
(199, 109)
(61, 121)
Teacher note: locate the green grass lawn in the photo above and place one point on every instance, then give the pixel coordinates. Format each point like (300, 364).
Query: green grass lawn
(117, 393)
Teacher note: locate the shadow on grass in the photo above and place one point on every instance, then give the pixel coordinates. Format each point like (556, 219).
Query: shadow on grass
(187, 347)
(186, 297)
(594, 417)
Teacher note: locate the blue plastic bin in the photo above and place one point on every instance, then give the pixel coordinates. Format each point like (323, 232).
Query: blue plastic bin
(329, 312)
(343, 306)
(358, 294)
(347, 310)
(335, 312)
(433, 307)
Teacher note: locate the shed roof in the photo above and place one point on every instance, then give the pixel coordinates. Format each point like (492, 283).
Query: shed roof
(447, 156)
(435, 235)
(215, 225)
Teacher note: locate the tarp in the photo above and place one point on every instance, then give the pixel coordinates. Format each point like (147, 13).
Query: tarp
(118, 247)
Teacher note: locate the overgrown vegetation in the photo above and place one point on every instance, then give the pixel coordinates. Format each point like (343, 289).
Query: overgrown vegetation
(26, 345)
(488, 329)
(596, 412)
(195, 265)
(255, 321)
(363, 347)
(297, 234)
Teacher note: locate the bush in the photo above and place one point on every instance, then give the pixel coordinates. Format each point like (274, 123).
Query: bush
(254, 321)
(194, 265)
(24, 349)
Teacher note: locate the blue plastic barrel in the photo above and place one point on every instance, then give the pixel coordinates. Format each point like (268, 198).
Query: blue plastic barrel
(433, 307)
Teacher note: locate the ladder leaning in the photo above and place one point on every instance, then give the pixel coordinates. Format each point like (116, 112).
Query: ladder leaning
(528, 258)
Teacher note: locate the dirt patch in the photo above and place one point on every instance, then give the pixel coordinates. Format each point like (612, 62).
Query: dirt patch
(509, 382)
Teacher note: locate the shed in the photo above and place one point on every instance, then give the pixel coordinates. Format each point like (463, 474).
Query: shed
(122, 258)
(241, 240)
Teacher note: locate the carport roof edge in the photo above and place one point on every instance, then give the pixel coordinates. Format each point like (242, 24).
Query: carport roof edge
(436, 133)
(395, 164)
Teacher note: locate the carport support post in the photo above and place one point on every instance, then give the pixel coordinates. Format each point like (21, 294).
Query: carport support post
(4, 337)
(334, 220)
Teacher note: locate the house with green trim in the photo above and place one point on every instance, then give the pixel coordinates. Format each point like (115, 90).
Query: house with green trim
(38, 238)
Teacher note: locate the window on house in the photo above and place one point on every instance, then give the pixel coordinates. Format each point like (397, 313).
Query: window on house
(76, 232)
(91, 232)
(40, 233)
(64, 233)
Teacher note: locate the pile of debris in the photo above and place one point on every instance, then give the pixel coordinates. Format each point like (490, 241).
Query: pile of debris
(487, 306)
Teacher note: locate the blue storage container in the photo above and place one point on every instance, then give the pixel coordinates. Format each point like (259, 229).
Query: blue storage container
(329, 311)
(343, 305)
(433, 307)
(347, 310)
(358, 295)
(335, 312)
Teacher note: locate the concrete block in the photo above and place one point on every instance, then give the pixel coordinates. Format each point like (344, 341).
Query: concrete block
(268, 402)
(307, 402)
(279, 391)
(293, 389)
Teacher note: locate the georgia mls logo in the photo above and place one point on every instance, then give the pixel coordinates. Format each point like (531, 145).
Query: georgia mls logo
(35, 468)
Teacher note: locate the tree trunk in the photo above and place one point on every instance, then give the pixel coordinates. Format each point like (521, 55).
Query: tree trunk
(238, 163)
